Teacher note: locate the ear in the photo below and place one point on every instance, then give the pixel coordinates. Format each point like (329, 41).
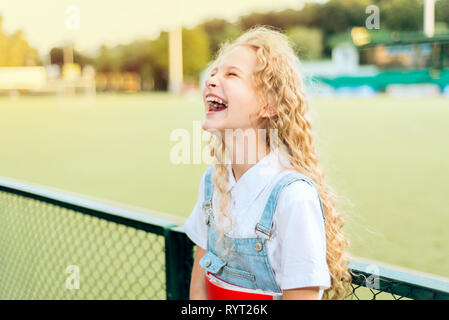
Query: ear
(267, 112)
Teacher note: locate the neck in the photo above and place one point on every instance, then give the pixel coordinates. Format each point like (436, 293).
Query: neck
(245, 152)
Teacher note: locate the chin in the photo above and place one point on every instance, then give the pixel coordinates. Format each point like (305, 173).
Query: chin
(211, 126)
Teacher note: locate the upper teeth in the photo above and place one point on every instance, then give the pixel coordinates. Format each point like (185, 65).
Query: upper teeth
(216, 99)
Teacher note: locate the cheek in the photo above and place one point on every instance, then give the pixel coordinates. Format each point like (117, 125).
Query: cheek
(244, 100)
(250, 108)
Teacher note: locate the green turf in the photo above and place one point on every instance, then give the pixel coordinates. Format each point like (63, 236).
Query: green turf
(385, 157)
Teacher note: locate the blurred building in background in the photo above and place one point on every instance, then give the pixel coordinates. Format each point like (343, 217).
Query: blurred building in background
(47, 80)
(396, 63)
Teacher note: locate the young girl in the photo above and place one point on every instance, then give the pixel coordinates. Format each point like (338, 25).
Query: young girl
(266, 219)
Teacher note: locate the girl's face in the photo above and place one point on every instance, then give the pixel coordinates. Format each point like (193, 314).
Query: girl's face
(229, 95)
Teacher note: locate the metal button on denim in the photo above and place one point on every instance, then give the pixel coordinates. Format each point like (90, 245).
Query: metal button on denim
(207, 263)
(258, 246)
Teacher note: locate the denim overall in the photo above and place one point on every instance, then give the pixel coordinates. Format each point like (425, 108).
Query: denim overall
(245, 263)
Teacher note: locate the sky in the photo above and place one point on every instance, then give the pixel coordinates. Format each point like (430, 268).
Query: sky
(90, 23)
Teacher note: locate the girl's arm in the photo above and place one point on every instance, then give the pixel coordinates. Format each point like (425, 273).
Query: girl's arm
(306, 293)
(198, 282)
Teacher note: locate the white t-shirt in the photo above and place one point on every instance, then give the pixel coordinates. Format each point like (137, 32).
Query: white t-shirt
(297, 248)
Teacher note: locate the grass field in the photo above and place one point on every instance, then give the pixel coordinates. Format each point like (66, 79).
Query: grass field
(386, 158)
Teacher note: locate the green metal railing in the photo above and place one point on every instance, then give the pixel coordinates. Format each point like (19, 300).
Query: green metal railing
(57, 246)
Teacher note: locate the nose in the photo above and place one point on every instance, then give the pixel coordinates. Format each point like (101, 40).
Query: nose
(211, 81)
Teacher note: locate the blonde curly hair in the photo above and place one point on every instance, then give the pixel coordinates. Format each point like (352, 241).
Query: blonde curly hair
(278, 80)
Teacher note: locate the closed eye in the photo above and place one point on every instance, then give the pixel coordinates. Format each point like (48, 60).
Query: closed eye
(232, 74)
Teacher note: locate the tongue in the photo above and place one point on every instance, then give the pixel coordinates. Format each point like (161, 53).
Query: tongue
(218, 106)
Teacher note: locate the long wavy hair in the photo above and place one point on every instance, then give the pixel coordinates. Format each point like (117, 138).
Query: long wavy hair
(280, 86)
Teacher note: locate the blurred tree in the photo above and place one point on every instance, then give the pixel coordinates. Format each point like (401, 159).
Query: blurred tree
(333, 16)
(308, 15)
(57, 57)
(272, 19)
(219, 31)
(196, 51)
(442, 11)
(196, 55)
(109, 59)
(158, 54)
(282, 20)
(289, 18)
(336, 16)
(308, 42)
(150, 57)
(15, 50)
(137, 58)
(401, 15)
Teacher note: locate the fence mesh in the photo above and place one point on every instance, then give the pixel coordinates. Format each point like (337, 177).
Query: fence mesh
(49, 251)
(366, 291)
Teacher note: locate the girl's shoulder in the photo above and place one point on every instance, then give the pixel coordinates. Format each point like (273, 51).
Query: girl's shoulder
(300, 194)
(301, 189)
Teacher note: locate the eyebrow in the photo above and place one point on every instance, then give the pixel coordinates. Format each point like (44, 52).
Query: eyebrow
(234, 67)
(230, 67)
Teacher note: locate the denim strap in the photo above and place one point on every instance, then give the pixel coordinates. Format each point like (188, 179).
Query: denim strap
(266, 221)
(208, 191)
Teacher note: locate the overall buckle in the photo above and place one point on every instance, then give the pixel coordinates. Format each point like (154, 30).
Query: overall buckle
(207, 204)
(262, 229)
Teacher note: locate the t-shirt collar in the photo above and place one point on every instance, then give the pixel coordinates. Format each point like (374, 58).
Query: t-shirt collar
(256, 178)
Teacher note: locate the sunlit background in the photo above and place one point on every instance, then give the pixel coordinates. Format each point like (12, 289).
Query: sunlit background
(90, 92)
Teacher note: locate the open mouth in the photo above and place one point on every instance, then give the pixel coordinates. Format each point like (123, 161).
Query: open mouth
(215, 103)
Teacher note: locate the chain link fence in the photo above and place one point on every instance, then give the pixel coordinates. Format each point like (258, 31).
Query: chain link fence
(52, 252)
(54, 246)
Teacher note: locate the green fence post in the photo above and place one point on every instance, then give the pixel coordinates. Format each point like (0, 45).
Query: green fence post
(178, 263)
